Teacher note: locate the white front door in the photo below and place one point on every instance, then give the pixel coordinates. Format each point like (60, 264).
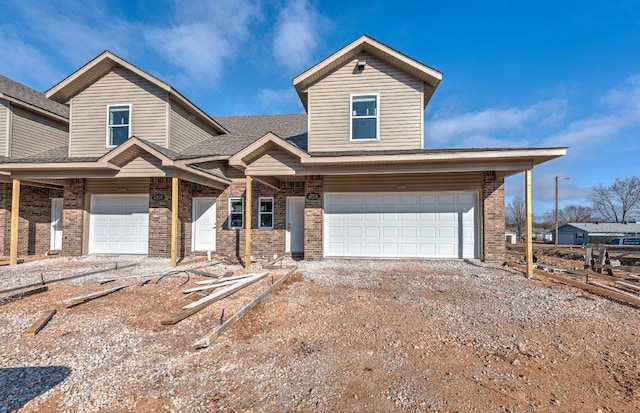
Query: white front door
(295, 224)
(56, 224)
(204, 224)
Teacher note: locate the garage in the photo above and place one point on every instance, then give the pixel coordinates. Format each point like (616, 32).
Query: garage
(400, 225)
(119, 224)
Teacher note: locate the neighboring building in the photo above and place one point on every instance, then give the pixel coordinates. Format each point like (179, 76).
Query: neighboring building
(579, 234)
(511, 237)
(350, 178)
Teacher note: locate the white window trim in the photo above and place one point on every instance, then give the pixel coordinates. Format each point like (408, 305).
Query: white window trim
(108, 140)
(351, 96)
(260, 213)
(229, 210)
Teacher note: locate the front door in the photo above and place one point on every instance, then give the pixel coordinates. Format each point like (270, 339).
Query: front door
(56, 224)
(204, 224)
(295, 224)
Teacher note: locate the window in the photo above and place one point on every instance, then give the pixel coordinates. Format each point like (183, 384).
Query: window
(236, 213)
(265, 213)
(364, 117)
(118, 124)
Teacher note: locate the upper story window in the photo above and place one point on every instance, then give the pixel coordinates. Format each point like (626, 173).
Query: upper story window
(118, 124)
(364, 116)
(265, 213)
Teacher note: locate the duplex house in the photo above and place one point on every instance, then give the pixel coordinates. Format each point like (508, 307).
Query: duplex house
(134, 167)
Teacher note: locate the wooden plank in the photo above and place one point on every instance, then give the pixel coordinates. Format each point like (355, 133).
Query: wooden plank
(274, 261)
(629, 285)
(22, 294)
(219, 330)
(247, 223)
(595, 289)
(15, 216)
(210, 286)
(528, 222)
(74, 301)
(225, 292)
(235, 277)
(174, 221)
(38, 324)
(608, 287)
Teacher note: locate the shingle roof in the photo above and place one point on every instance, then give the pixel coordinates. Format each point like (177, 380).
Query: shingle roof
(244, 130)
(25, 94)
(608, 228)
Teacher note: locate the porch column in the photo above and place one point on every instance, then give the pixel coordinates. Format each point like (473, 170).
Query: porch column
(174, 221)
(528, 222)
(247, 223)
(15, 216)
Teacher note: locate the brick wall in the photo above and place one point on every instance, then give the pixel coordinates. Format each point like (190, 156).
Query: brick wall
(73, 217)
(160, 217)
(313, 222)
(493, 218)
(264, 242)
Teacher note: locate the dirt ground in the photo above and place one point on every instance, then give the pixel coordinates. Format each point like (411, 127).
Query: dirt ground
(349, 336)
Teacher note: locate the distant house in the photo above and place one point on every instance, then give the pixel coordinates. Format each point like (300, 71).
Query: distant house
(575, 233)
(511, 237)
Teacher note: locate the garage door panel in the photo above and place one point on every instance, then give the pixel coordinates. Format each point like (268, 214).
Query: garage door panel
(119, 224)
(400, 225)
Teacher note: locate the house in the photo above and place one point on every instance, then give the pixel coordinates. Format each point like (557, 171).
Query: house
(576, 233)
(143, 170)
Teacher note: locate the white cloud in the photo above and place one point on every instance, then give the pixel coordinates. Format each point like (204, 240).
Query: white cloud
(204, 35)
(467, 129)
(297, 34)
(273, 99)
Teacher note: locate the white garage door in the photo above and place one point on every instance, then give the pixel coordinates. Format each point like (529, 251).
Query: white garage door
(119, 224)
(428, 225)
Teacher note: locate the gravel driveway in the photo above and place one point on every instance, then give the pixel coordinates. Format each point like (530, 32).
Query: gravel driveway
(356, 336)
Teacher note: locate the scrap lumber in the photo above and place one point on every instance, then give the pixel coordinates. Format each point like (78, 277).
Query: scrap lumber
(592, 288)
(220, 329)
(608, 287)
(38, 324)
(22, 294)
(225, 292)
(629, 285)
(210, 286)
(235, 277)
(272, 264)
(204, 273)
(74, 301)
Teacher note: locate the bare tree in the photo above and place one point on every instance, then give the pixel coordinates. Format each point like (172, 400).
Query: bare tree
(570, 213)
(516, 215)
(619, 202)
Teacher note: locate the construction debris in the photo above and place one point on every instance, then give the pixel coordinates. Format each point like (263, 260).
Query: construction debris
(20, 295)
(38, 324)
(220, 329)
(74, 301)
(225, 292)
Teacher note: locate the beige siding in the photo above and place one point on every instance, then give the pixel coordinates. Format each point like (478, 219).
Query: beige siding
(32, 133)
(142, 166)
(186, 129)
(4, 126)
(117, 186)
(404, 182)
(276, 163)
(399, 107)
(89, 112)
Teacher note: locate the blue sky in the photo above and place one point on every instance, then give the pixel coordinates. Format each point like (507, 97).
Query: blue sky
(535, 74)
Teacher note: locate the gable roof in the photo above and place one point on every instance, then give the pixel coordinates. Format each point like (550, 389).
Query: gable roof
(104, 63)
(368, 44)
(25, 96)
(244, 130)
(606, 227)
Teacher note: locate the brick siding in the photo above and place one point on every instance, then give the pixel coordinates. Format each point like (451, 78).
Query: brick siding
(73, 217)
(313, 221)
(493, 247)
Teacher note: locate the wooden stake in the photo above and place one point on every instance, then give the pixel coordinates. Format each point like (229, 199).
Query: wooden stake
(174, 221)
(247, 231)
(38, 324)
(219, 330)
(528, 222)
(15, 216)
